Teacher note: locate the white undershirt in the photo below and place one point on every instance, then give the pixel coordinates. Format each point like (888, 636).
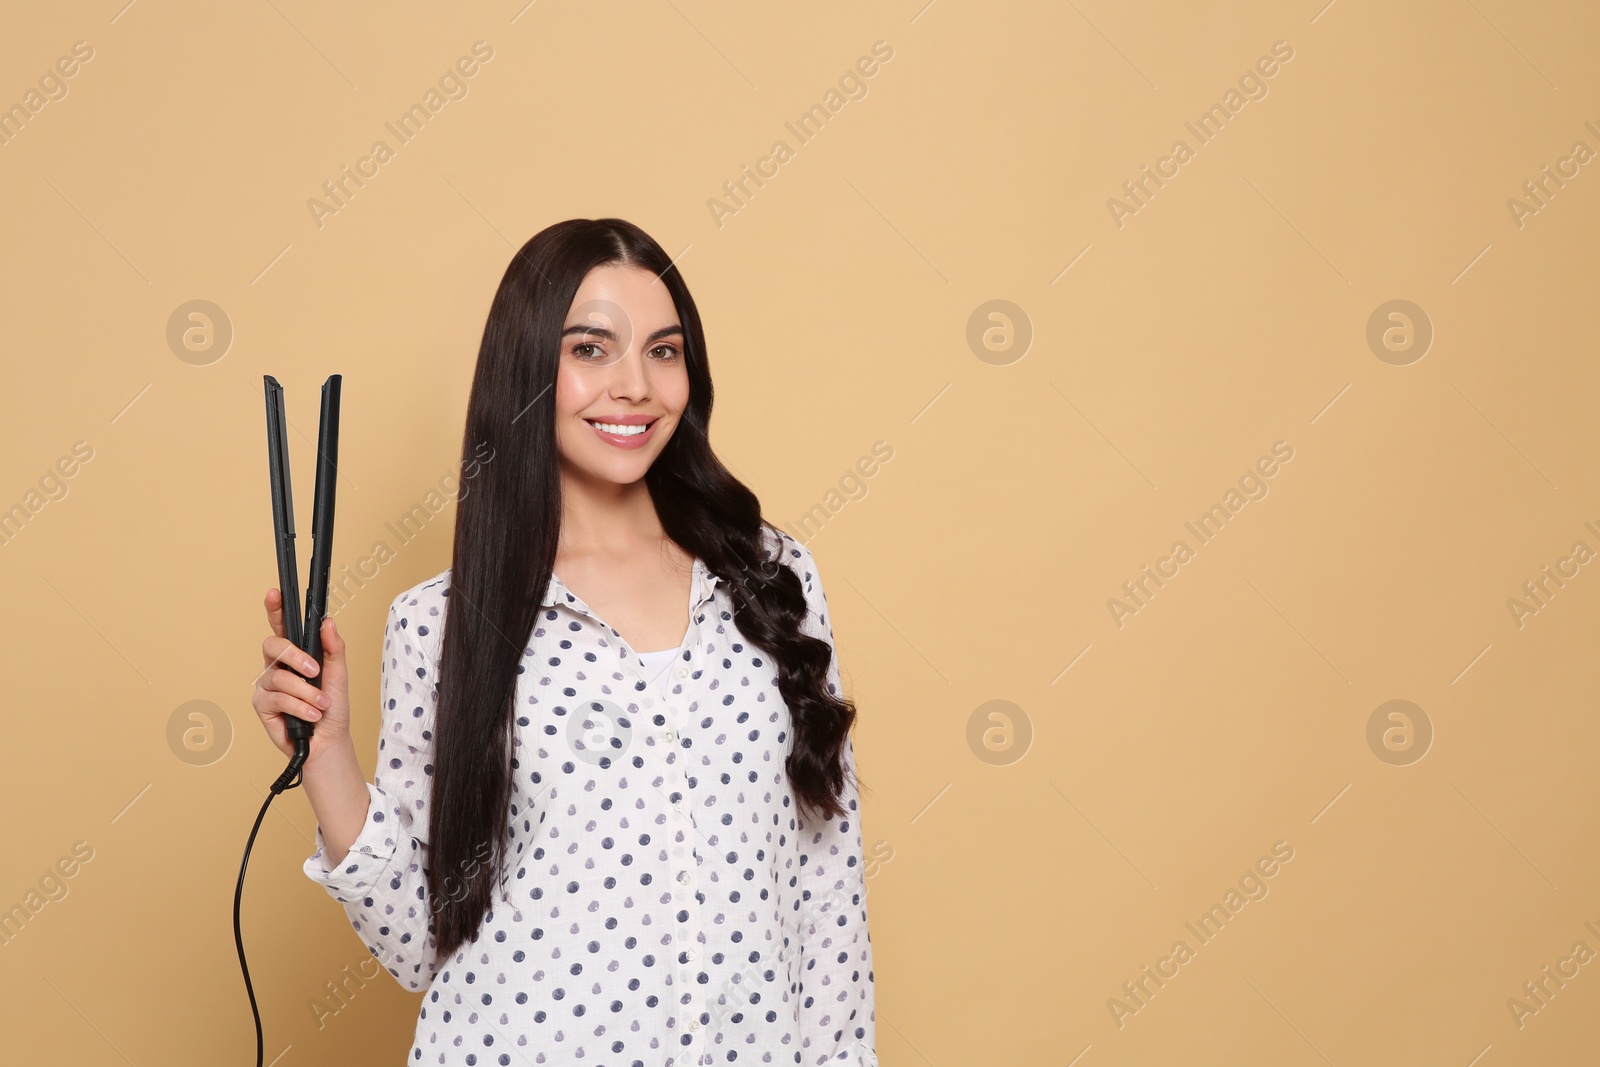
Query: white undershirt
(656, 664)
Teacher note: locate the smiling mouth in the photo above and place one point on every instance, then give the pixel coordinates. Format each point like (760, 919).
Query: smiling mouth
(621, 429)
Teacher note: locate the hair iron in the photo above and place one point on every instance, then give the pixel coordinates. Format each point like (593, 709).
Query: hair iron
(306, 633)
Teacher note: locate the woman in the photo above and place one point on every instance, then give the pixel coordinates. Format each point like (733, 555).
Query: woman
(604, 829)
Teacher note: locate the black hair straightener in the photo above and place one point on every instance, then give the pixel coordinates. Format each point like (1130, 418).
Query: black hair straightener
(305, 634)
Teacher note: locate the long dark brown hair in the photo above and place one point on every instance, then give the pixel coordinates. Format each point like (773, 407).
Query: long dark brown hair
(507, 530)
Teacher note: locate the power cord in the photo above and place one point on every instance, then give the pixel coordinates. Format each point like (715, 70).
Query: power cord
(291, 777)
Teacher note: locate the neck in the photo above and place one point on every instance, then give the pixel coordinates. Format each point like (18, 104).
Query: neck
(601, 518)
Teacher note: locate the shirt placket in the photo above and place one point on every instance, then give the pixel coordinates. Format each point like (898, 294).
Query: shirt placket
(685, 876)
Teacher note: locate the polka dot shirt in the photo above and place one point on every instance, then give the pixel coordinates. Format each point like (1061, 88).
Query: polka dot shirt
(662, 902)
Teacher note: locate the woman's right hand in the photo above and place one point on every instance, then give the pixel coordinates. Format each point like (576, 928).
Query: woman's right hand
(280, 691)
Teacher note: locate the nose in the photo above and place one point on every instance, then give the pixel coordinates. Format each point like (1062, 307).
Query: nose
(629, 378)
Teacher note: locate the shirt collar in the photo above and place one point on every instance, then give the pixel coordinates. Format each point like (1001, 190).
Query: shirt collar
(704, 587)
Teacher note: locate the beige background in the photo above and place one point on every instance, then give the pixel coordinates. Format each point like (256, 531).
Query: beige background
(1143, 768)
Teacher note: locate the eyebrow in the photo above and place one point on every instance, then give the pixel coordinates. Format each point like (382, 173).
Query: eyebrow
(609, 335)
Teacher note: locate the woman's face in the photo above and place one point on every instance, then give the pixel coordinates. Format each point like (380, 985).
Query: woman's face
(622, 366)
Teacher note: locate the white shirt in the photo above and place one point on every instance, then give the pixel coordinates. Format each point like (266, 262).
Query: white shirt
(660, 906)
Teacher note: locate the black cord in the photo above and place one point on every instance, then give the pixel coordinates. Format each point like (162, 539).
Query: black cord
(290, 778)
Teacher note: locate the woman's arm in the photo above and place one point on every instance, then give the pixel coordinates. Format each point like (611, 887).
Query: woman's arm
(838, 1023)
(336, 786)
(375, 867)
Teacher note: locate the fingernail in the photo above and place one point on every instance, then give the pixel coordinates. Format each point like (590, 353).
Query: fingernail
(323, 701)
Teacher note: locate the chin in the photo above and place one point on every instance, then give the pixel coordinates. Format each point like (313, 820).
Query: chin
(618, 473)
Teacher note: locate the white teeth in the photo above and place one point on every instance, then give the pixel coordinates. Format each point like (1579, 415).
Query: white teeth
(621, 431)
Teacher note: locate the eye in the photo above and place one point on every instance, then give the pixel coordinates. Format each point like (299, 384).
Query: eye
(671, 353)
(577, 350)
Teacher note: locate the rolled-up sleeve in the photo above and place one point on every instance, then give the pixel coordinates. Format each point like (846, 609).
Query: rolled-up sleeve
(837, 1017)
(381, 882)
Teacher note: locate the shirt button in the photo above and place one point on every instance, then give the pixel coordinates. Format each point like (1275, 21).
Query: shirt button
(694, 1024)
(672, 735)
(683, 877)
(683, 672)
(677, 805)
(688, 954)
